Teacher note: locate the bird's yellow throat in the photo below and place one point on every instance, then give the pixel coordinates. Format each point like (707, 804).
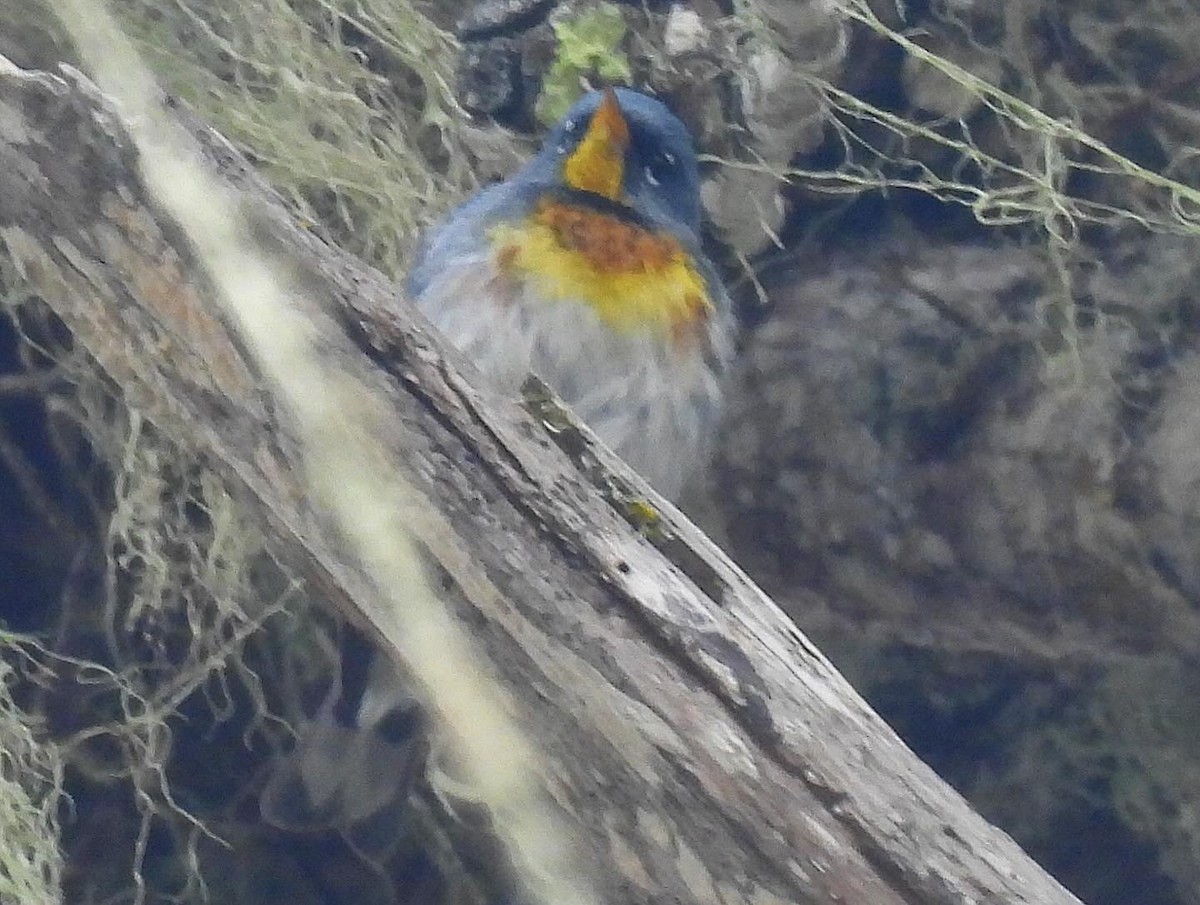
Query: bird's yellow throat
(598, 162)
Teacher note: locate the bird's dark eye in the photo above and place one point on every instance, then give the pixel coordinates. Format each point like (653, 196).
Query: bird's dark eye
(660, 167)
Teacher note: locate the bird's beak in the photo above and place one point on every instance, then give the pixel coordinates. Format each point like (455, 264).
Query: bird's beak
(598, 163)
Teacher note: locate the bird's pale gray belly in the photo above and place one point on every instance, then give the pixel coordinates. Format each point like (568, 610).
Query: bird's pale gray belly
(653, 401)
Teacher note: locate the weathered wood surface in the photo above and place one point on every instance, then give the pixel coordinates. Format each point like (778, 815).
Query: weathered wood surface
(704, 750)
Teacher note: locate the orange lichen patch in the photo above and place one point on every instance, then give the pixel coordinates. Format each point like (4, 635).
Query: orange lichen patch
(200, 345)
(598, 162)
(634, 278)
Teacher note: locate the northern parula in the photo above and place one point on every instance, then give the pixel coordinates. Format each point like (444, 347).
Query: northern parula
(585, 268)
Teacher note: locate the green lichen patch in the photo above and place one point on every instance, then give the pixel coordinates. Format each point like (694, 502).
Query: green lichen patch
(588, 47)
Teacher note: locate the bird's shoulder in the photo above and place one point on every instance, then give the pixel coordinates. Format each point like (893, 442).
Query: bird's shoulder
(464, 230)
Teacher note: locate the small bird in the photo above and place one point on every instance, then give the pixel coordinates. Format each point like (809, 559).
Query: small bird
(585, 268)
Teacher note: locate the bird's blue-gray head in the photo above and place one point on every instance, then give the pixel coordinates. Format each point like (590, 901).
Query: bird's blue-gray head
(629, 148)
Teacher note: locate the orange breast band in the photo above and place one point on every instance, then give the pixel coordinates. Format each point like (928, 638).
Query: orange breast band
(634, 278)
